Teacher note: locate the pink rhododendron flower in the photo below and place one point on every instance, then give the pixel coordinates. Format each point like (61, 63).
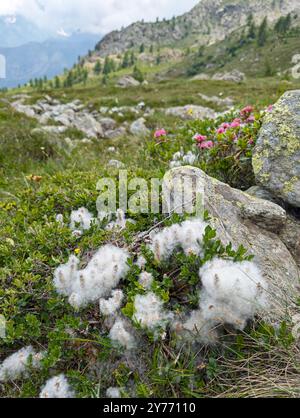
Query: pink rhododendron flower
(159, 133)
(235, 124)
(251, 119)
(200, 138)
(226, 125)
(247, 110)
(237, 120)
(270, 108)
(221, 130)
(206, 145)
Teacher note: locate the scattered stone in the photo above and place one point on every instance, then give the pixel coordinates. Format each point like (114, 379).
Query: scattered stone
(201, 77)
(116, 164)
(108, 124)
(235, 76)
(104, 110)
(228, 102)
(27, 110)
(191, 112)
(127, 81)
(139, 128)
(55, 130)
(115, 133)
(87, 124)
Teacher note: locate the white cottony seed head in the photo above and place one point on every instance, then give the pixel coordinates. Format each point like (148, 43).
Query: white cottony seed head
(150, 312)
(233, 293)
(82, 219)
(102, 274)
(146, 280)
(16, 365)
(114, 393)
(57, 387)
(188, 236)
(111, 306)
(119, 335)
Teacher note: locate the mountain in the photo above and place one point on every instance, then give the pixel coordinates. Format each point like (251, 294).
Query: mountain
(209, 21)
(51, 57)
(16, 30)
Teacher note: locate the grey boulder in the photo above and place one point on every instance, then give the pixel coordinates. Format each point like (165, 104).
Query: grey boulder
(276, 158)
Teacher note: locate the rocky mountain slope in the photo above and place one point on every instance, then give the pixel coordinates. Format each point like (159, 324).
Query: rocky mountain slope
(208, 22)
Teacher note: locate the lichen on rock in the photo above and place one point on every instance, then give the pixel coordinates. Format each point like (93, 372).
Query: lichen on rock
(276, 158)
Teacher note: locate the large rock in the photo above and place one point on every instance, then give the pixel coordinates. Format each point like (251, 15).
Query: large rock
(228, 102)
(235, 76)
(227, 208)
(139, 128)
(290, 235)
(21, 108)
(107, 124)
(89, 125)
(201, 77)
(127, 81)
(261, 193)
(276, 158)
(191, 112)
(115, 133)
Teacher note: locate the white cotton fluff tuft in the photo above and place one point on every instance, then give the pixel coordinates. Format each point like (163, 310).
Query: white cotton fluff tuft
(150, 312)
(66, 275)
(111, 306)
(57, 387)
(188, 236)
(232, 292)
(196, 328)
(189, 158)
(81, 220)
(119, 335)
(16, 365)
(102, 274)
(141, 262)
(179, 159)
(60, 219)
(114, 393)
(146, 280)
(120, 222)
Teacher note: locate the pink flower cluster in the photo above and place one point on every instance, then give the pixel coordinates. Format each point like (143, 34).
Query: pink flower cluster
(236, 123)
(246, 117)
(202, 142)
(246, 112)
(160, 133)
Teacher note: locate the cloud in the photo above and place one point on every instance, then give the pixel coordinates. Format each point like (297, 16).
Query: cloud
(97, 16)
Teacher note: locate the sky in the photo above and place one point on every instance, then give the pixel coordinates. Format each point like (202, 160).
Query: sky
(95, 16)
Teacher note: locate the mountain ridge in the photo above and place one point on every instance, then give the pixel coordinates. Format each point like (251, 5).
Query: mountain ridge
(207, 23)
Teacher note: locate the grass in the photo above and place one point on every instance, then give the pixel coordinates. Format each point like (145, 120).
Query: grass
(261, 362)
